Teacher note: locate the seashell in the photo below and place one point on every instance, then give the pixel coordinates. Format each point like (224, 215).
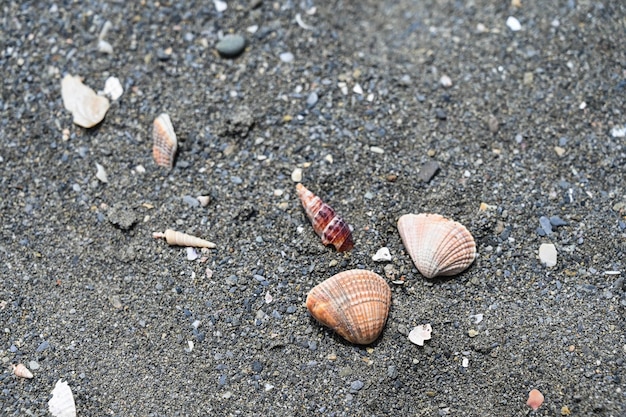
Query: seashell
(420, 333)
(164, 141)
(437, 246)
(327, 224)
(535, 399)
(62, 402)
(22, 371)
(87, 108)
(173, 237)
(353, 303)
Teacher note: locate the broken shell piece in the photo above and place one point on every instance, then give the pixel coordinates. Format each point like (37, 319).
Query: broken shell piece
(101, 173)
(87, 108)
(204, 200)
(173, 237)
(437, 246)
(420, 333)
(535, 399)
(164, 141)
(331, 228)
(62, 402)
(382, 255)
(353, 303)
(113, 88)
(22, 371)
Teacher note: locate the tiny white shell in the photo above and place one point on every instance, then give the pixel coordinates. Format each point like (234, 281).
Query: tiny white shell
(420, 333)
(62, 402)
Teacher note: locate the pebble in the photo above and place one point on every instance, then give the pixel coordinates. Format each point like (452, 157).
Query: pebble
(618, 131)
(357, 89)
(43, 346)
(440, 114)
(296, 175)
(286, 57)
(191, 201)
(377, 149)
(312, 99)
(382, 255)
(493, 124)
(231, 46)
(428, 171)
(513, 24)
(545, 224)
(547, 254)
(220, 5)
(556, 221)
(113, 88)
(559, 151)
(472, 333)
(445, 81)
(33, 365)
(356, 386)
(101, 174)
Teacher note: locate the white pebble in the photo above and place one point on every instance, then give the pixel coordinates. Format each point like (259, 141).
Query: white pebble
(286, 57)
(220, 6)
(343, 87)
(513, 24)
(101, 174)
(445, 81)
(357, 89)
(113, 88)
(296, 175)
(382, 255)
(252, 29)
(377, 149)
(618, 132)
(465, 362)
(104, 47)
(268, 298)
(140, 169)
(547, 254)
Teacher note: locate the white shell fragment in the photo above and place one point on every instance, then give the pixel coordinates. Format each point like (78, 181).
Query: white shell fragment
(296, 175)
(101, 173)
(420, 334)
(22, 371)
(301, 23)
(220, 6)
(87, 108)
(382, 255)
(62, 402)
(204, 200)
(513, 24)
(113, 88)
(173, 237)
(104, 47)
(445, 81)
(192, 255)
(547, 254)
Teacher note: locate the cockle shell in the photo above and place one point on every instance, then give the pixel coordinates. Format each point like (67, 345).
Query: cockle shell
(353, 303)
(164, 141)
(327, 224)
(173, 237)
(437, 246)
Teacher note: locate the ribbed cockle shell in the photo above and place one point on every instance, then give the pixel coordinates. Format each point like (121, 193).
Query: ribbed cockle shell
(183, 239)
(164, 141)
(353, 303)
(437, 246)
(331, 228)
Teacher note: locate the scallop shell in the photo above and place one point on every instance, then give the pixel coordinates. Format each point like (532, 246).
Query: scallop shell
(164, 141)
(353, 303)
(173, 237)
(438, 246)
(327, 224)
(535, 399)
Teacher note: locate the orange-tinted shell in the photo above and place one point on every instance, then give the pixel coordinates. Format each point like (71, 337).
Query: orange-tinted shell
(331, 228)
(353, 303)
(535, 399)
(164, 141)
(437, 246)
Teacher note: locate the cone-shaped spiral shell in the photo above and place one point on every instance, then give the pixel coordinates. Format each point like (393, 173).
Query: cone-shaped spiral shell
(437, 246)
(22, 371)
(353, 303)
(164, 141)
(173, 237)
(331, 228)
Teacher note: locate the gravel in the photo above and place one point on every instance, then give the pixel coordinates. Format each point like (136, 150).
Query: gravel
(90, 296)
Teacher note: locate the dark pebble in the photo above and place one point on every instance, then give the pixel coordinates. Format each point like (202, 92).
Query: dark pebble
(545, 224)
(291, 309)
(440, 114)
(556, 221)
(356, 386)
(428, 171)
(43, 346)
(257, 366)
(312, 100)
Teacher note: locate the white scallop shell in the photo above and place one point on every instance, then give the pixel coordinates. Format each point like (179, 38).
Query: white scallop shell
(62, 402)
(437, 246)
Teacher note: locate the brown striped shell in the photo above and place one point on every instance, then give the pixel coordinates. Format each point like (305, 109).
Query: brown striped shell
(353, 303)
(164, 141)
(437, 246)
(331, 228)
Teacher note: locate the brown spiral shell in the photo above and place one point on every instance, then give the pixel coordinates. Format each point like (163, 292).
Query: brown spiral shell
(331, 228)
(353, 303)
(164, 141)
(438, 246)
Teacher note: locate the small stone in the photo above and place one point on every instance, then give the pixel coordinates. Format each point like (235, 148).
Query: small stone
(513, 24)
(528, 78)
(357, 89)
(465, 362)
(472, 333)
(382, 255)
(428, 171)
(296, 175)
(356, 386)
(230, 46)
(377, 149)
(312, 99)
(445, 81)
(33, 365)
(204, 200)
(101, 174)
(545, 224)
(559, 151)
(618, 131)
(440, 114)
(113, 88)
(122, 216)
(191, 201)
(286, 57)
(220, 5)
(556, 221)
(493, 124)
(548, 254)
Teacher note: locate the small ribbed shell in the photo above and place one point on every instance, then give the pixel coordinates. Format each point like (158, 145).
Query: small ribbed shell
(164, 141)
(331, 228)
(22, 371)
(173, 237)
(353, 303)
(437, 246)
